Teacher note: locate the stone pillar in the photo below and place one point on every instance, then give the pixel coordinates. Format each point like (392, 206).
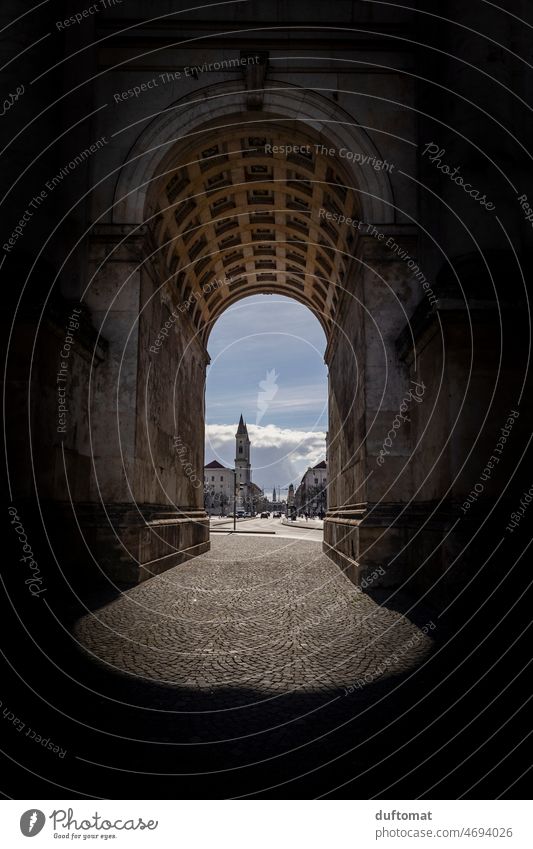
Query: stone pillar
(146, 417)
(473, 349)
(346, 456)
(369, 473)
(469, 434)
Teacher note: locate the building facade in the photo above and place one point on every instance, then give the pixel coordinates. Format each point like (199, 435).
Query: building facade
(243, 468)
(311, 495)
(222, 484)
(290, 499)
(219, 482)
(279, 176)
(258, 501)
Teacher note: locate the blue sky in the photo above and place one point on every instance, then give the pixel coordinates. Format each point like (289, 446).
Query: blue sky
(267, 361)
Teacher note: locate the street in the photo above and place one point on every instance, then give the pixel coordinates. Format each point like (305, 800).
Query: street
(245, 664)
(271, 526)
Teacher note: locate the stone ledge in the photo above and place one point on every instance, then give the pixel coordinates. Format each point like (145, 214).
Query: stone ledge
(161, 564)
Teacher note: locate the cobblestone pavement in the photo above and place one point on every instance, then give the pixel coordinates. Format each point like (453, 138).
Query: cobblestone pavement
(263, 614)
(293, 530)
(249, 668)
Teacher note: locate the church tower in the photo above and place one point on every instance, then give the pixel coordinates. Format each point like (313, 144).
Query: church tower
(242, 462)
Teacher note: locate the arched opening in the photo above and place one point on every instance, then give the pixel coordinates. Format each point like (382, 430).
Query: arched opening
(230, 204)
(158, 178)
(266, 414)
(253, 207)
(248, 208)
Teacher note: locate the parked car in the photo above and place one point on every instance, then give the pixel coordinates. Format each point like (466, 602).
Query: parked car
(265, 515)
(276, 515)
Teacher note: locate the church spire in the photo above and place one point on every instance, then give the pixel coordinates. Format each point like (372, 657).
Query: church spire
(243, 469)
(274, 494)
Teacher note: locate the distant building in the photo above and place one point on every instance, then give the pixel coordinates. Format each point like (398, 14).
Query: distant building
(276, 503)
(258, 500)
(243, 468)
(219, 481)
(290, 499)
(218, 488)
(311, 495)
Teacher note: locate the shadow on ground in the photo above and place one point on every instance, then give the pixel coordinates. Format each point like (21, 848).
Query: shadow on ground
(440, 728)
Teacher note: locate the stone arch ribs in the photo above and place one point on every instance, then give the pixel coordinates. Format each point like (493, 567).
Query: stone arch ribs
(217, 208)
(208, 189)
(240, 213)
(217, 105)
(254, 74)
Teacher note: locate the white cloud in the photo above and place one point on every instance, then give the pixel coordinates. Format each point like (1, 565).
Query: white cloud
(279, 455)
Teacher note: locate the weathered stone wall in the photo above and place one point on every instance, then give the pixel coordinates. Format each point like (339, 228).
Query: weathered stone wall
(346, 450)
(134, 436)
(156, 517)
(369, 385)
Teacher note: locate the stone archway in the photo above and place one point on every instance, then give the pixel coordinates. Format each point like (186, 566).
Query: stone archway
(215, 203)
(213, 106)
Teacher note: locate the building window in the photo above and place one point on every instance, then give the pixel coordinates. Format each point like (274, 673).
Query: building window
(212, 477)
(240, 449)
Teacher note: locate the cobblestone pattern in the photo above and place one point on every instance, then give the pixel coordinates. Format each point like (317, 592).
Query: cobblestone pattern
(258, 617)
